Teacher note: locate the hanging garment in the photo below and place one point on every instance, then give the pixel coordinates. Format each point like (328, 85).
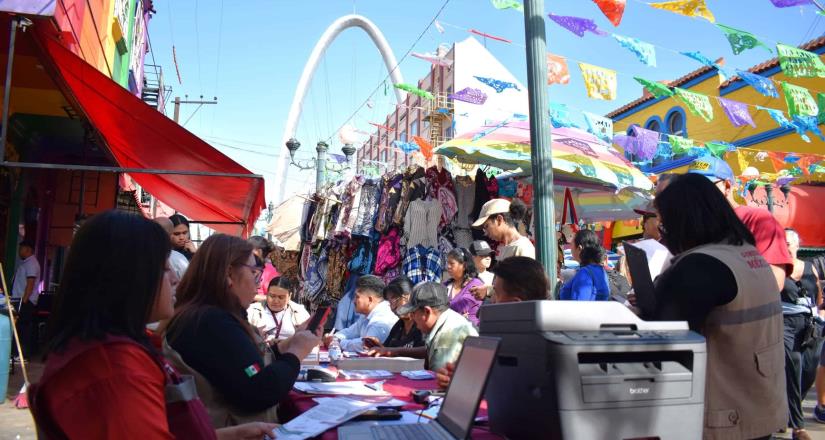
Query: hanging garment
(412, 188)
(389, 252)
(422, 264)
(482, 196)
(363, 257)
(370, 198)
(507, 188)
(421, 223)
(442, 189)
(392, 274)
(465, 198)
(314, 286)
(390, 196)
(444, 247)
(525, 193)
(351, 201)
(338, 255)
(306, 222)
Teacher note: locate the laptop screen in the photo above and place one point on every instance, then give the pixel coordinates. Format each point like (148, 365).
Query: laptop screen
(642, 282)
(467, 385)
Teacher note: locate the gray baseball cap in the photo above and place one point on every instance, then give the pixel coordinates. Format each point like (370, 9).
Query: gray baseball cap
(427, 294)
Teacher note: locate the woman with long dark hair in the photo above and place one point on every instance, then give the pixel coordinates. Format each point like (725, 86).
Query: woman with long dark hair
(722, 286)
(181, 239)
(103, 379)
(590, 282)
(464, 278)
(239, 377)
(263, 248)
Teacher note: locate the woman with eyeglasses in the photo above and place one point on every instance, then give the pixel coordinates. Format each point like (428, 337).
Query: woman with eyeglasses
(103, 379)
(404, 334)
(239, 376)
(724, 288)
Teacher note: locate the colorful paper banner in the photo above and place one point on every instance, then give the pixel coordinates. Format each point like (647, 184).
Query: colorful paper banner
(497, 85)
(760, 83)
(740, 40)
(799, 101)
(469, 95)
(599, 126)
(698, 104)
(717, 149)
(798, 63)
(789, 3)
(508, 4)
(577, 25)
(414, 90)
(557, 71)
(612, 9)
(657, 89)
(737, 112)
(679, 144)
(690, 8)
(645, 52)
(600, 82)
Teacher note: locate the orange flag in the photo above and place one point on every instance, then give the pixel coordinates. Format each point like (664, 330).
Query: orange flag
(557, 72)
(426, 147)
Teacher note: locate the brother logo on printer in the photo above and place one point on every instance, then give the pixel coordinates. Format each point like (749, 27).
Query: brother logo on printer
(639, 390)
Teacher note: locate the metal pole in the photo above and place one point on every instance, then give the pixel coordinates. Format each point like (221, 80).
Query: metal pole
(321, 165)
(769, 193)
(176, 118)
(108, 169)
(4, 130)
(542, 166)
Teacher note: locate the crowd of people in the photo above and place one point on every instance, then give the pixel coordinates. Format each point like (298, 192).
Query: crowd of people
(136, 324)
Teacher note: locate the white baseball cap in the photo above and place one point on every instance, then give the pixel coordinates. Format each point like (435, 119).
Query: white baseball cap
(491, 208)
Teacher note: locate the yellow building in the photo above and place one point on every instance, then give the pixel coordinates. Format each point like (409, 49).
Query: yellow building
(668, 115)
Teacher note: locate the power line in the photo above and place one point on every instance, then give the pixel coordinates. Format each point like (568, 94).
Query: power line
(238, 141)
(389, 74)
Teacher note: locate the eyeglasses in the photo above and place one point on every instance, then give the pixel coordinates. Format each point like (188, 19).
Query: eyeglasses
(257, 271)
(399, 300)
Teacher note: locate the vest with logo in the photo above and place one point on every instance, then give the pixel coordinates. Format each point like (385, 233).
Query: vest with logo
(745, 384)
(221, 412)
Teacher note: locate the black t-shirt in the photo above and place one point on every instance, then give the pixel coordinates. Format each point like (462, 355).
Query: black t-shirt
(397, 338)
(691, 288)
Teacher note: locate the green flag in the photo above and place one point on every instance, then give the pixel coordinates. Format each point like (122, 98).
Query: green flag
(820, 100)
(798, 63)
(741, 40)
(679, 144)
(697, 103)
(657, 89)
(716, 149)
(508, 4)
(799, 100)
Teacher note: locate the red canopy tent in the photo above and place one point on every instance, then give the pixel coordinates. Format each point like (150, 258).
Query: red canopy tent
(164, 158)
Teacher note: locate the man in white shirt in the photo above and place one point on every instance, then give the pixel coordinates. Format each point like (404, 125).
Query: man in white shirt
(24, 288)
(378, 318)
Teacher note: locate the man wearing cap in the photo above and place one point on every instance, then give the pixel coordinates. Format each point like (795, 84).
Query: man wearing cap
(482, 257)
(499, 218)
(768, 233)
(444, 330)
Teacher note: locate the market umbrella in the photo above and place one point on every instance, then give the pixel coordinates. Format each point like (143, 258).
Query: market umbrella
(604, 185)
(578, 156)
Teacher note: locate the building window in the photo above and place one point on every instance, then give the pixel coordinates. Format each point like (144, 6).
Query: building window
(402, 136)
(676, 124)
(414, 128)
(654, 126)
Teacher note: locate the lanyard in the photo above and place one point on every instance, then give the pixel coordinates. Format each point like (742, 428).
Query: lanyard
(277, 323)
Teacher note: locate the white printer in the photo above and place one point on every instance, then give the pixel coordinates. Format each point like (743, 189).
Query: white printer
(592, 370)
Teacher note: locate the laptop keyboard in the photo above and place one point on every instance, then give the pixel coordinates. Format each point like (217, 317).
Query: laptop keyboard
(407, 432)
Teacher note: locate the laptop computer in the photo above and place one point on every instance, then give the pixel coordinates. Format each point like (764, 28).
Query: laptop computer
(641, 279)
(458, 411)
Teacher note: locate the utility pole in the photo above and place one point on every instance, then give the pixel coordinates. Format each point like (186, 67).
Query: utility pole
(540, 154)
(200, 103)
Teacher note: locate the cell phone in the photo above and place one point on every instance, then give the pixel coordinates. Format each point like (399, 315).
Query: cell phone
(380, 414)
(318, 319)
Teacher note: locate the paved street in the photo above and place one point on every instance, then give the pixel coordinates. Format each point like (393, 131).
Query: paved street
(17, 424)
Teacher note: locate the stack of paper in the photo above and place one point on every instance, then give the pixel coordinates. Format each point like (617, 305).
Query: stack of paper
(392, 364)
(418, 375)
(329, 412)
(353, 388)
(366, 374)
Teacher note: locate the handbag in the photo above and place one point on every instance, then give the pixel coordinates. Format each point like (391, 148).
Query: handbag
(185, 413)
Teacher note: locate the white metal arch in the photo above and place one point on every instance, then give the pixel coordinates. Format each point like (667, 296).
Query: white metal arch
(321, 46)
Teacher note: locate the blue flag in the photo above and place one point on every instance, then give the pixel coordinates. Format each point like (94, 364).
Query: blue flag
(760, 83)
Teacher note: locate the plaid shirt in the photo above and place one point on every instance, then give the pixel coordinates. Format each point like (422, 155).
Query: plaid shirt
(422, 264)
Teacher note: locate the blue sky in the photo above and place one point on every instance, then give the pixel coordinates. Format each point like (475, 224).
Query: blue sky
(251, 57)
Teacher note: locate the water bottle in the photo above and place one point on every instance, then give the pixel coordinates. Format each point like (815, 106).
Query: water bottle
(335, 351)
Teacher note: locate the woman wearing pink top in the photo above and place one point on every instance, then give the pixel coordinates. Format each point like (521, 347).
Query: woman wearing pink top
(262, 248)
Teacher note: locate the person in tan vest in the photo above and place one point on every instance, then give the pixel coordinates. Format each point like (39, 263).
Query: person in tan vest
(724, 288)
(238, 376)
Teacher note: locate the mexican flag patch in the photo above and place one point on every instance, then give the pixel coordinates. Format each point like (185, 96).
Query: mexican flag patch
(252, 370)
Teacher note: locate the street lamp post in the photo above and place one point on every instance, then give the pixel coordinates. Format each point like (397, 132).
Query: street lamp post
(319, 163)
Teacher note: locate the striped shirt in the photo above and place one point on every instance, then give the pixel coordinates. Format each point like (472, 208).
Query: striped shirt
(421, 223)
